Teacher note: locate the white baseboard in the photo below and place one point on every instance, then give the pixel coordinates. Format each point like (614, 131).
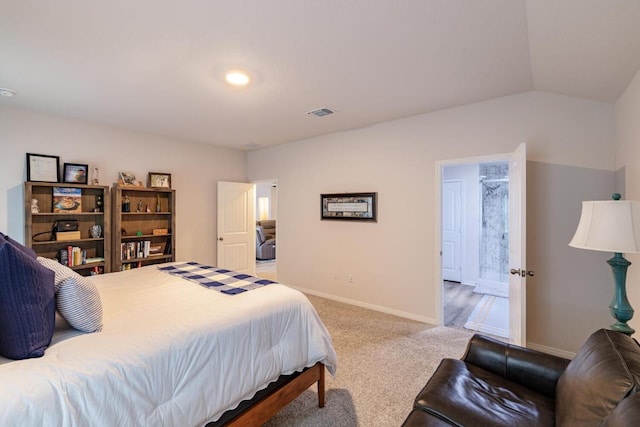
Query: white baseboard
(374, 307)
(551, 350)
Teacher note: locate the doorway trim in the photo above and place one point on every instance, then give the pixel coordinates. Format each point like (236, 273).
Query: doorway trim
(440, 164)
(273, 182)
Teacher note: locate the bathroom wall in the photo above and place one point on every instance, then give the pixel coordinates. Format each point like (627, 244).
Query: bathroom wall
(494, 235)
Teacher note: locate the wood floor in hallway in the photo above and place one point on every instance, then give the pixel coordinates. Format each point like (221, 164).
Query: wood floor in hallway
(267, 269)
(459, 302)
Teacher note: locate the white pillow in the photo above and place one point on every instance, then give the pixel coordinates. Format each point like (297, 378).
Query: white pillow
(77, 298)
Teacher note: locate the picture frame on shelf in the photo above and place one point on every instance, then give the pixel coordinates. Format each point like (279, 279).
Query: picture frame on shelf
(349, 207)
(128, 179)
(43, 168)
(159, 180)
(67, 200)
(75, 173)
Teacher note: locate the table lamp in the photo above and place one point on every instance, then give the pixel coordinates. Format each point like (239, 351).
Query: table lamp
(612, 226)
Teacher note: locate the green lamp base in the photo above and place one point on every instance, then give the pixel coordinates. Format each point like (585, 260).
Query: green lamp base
(620, 308)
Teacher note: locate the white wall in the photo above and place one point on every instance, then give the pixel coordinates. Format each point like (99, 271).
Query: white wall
(195, 169)
(628, 158)
(394, 261)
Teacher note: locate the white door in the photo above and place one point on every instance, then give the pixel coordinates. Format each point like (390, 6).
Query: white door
(451, 230)
(236, 227)
(518, 246)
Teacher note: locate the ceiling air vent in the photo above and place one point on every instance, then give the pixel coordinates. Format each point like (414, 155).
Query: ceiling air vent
(321, 112)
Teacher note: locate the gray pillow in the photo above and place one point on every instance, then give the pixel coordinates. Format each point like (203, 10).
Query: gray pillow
(78, 301)
(77, 298)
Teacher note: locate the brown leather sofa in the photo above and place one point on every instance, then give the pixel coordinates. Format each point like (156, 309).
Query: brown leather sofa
(497, 384)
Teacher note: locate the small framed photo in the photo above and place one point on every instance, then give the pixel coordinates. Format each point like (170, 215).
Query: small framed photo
(349, 206)
(43, 168)
(159, 180)
(129, 179)
(75, 173)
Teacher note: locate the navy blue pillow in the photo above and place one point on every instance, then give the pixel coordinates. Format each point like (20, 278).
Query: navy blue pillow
(23, 248)
(27, 304)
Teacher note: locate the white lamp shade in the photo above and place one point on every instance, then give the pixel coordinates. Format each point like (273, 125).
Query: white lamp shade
(609, 226)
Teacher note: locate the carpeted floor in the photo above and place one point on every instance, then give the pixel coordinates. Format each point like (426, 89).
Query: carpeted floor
(383, 362)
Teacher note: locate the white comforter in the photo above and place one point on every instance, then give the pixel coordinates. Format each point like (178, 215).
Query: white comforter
(171, 353)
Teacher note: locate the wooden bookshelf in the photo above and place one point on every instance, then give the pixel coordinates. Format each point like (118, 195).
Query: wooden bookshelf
(149, 209)
(38, 227)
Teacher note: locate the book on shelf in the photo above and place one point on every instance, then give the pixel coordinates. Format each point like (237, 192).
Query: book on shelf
(72, 256)
(130, 265)
(133, 250)
(157, 248)
(67, 200)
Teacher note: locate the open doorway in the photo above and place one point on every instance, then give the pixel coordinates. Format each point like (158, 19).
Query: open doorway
(475, 247)
(266, 228)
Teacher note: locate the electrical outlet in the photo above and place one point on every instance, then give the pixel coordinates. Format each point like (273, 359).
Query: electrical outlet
(351, 280)
(334, 276)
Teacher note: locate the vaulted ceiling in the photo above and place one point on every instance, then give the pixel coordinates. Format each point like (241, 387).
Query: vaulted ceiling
(158, 65)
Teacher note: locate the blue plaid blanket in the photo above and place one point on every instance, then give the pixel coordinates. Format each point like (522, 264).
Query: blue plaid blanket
(225, 281)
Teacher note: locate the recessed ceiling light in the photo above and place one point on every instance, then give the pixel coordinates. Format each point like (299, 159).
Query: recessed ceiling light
(237, 78)
(6, 92)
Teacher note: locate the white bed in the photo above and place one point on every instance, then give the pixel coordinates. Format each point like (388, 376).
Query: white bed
(171, 353)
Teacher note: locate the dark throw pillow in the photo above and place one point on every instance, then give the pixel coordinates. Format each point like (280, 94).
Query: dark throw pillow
(27, 304)
(28, 251)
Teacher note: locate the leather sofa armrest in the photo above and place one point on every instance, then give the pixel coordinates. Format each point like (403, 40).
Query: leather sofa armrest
(533, 369)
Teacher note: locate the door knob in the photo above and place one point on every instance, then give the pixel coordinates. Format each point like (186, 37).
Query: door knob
(522, 273)
(220, 238)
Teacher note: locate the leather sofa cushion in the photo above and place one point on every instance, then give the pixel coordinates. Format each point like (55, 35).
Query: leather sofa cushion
(626, 414)
(464, 394)
(530, 368)
(604, 372)
(418, 418)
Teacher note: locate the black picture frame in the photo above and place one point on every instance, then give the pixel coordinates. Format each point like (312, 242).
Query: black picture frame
(349, 207)
(43, 168)
(75, 173)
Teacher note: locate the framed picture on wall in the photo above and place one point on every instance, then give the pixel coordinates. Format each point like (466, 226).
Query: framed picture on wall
(75, 173)
(349, 206)
(43, 168)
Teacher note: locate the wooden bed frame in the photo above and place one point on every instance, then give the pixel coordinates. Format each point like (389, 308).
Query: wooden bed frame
(272, 399)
